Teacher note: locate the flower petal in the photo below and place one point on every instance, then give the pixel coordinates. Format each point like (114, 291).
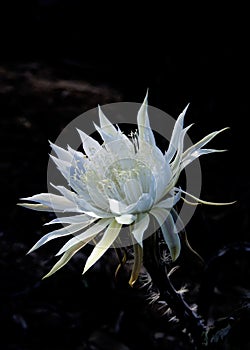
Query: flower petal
(145, 131)
(107, 240)
(106, 125)
(189, 158)
(105, 135)
(117, 207)
(65, 231)
(90, 232)
(38, 207)
(168, 229)
(61, 153)
(62, 166)
(71, 196)
(143, 204)
(133, 190)
(125, 219)
(174, 141)
(67, 256)
(76, 219)
(201, 143)
(54, 201)
(90, 145)
(170, 202)
(91, 210)
(140, 226)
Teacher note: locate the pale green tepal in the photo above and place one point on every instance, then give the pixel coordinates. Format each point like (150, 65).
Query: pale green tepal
(120, 182)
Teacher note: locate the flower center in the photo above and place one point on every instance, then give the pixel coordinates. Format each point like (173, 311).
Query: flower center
(126, 179)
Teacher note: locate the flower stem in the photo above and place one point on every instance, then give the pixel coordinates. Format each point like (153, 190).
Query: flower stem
(157, 269)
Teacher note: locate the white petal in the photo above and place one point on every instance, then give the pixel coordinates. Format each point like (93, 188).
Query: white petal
(67, 256)
(194, 155)
(61, 153)
(90, 232)
(175, 165)
(157, 170)
(143, 204)
(104, 135)
(133, 190)
(125, 219)
(38, 207)
(140, 226)
(116, 206)
(65, 231)
(174, 141)
(90, 209)
(202, 142)
(76, 219)
(121, 148)
(145, 131)
(62, 166)
(106, 125)
(71, 196)
(54, 201)
(107, 240)
(90, 145)
(77, 156)
(169, 231)
(99, 199)
(169, 202)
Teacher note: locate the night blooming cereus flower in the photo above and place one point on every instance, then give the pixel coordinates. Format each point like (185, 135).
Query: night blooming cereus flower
(124, 181)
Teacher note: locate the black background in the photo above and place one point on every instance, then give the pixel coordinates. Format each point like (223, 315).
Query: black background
(182, 55)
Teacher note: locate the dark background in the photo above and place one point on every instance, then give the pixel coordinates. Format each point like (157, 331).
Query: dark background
(61, 58)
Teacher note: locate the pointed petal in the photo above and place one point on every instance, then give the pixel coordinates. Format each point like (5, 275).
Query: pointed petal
(171, 237)
(138, 258)
(38, 207)
(65, 231)
(189, 158)
(71, 196)
(90, 232)
(67, 256)
(90, 209)
(90, 145)
(145, 131)
(202, 142)
(76, 219)
(62, 166)
(174, 141)
(140, 226)
(107, 240)
(175, 165)
(61, 153)
(107, 138)
(53, 201)
(105, 124)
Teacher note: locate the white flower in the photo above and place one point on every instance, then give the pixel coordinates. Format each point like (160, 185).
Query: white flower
(124, 181)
